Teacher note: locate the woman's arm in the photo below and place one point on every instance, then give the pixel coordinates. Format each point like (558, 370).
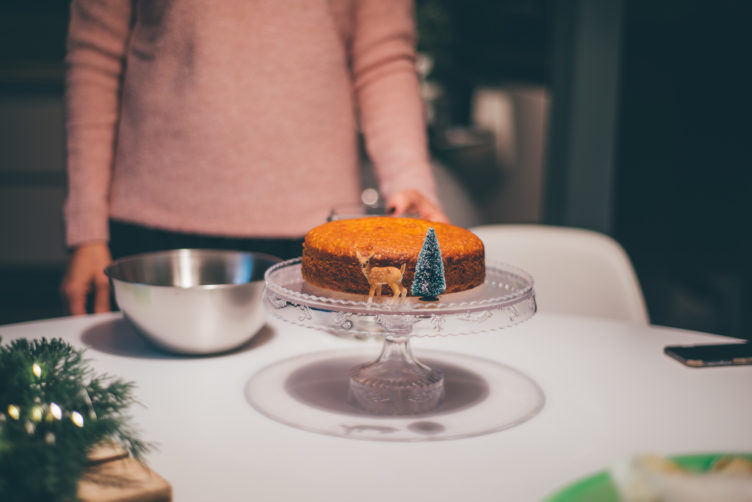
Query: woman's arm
(382, 54)
(97, 40)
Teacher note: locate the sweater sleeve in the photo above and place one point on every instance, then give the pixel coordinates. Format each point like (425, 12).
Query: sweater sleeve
(97, 39)
(388, 95)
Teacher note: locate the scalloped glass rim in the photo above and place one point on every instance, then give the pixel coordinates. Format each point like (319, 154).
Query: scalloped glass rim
(448, 303)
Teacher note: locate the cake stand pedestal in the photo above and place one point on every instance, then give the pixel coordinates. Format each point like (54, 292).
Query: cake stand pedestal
(396, 383)
(396, 386)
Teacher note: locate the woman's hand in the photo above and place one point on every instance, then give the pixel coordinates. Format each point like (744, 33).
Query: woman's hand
(412, 201)
(85, 275)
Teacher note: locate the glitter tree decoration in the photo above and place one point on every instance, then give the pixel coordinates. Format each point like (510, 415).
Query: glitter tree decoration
(429, 281)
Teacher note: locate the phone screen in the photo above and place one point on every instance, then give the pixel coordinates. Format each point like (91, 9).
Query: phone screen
(699, 356)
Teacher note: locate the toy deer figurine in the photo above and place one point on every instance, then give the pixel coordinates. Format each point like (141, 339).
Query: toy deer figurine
(378, 276)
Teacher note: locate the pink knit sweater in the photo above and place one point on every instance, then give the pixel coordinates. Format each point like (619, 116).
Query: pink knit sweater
(237, 117)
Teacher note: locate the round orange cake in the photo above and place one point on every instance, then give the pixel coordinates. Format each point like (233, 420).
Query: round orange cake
(330, 251)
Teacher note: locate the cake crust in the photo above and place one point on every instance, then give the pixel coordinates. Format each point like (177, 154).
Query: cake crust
(330, 252)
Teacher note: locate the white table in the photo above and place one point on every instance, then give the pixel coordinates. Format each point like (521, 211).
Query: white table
(610, 392)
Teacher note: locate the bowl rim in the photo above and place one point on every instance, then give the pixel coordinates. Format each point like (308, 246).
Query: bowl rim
(108, 270)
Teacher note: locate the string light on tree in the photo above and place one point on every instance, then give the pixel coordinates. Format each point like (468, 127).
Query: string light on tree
(14, 411)
(77, 419)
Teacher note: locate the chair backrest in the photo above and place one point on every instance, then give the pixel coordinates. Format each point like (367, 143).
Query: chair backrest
(575, 271)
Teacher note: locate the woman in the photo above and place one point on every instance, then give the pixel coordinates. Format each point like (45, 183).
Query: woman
(232, 124)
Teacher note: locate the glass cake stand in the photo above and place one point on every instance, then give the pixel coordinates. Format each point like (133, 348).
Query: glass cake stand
(396, 387)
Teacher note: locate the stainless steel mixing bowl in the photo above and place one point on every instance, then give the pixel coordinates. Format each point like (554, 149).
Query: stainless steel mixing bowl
(192, 301)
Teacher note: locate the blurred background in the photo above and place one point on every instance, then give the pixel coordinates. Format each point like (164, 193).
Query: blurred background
(628, 117)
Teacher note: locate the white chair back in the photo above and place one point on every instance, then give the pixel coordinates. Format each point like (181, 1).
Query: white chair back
(575, 271)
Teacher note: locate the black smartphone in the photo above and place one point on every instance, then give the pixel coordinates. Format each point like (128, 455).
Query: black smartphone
(702, 356)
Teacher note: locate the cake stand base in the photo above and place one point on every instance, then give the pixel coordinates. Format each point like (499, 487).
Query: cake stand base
(308, 392)
(396, 383)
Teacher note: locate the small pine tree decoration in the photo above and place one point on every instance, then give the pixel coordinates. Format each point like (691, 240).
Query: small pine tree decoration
(429, 281)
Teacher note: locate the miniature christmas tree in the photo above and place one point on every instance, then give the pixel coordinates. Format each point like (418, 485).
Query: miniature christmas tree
(429, 281)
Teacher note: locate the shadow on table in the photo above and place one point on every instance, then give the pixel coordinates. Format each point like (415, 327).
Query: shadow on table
(120, 338)
(323, 385)
(310, 392)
